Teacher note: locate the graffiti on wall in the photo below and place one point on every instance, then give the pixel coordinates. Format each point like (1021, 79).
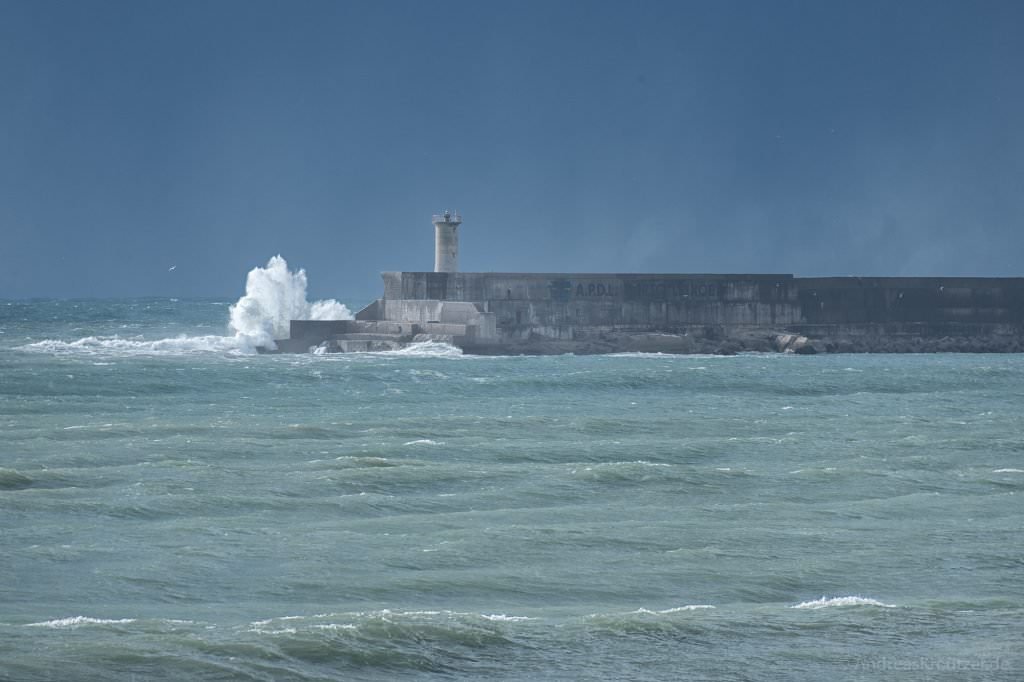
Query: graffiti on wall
(564, 290)
(669, 289)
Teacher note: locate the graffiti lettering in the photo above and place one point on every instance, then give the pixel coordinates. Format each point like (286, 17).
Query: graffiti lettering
(635, 290)
(668, 290)
(594, 289)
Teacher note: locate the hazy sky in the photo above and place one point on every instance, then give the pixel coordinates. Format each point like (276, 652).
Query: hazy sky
(818, 138)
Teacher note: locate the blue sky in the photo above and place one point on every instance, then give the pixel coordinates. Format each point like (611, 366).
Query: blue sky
(818, 138)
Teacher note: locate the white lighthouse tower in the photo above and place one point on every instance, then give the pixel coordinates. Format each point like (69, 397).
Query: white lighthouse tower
(446, 242)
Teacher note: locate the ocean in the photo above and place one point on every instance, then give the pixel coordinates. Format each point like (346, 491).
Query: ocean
(175, 506)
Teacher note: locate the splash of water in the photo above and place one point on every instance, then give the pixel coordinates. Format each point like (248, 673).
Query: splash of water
(274, 295)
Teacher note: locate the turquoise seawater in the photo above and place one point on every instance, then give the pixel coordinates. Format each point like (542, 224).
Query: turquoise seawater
(174, 508)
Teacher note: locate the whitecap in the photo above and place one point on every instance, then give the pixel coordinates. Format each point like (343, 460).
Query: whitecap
(335, 626)
(108, 345)
(76, 621)
(670, 356)
(676, 609)
(423, 441)
(635, 462)
(826, 602)
(282, 631)
(426, 349)
(688, 607)
(1008, 471)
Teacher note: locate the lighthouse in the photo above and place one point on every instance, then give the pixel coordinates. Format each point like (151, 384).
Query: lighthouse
(446, 241)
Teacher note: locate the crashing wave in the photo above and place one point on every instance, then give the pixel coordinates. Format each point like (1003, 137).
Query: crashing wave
(274, 296)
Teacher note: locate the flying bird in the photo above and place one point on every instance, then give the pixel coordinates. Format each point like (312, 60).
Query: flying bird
(171, 268)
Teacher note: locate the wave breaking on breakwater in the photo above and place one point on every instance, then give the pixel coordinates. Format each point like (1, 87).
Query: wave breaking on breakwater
(274, 295)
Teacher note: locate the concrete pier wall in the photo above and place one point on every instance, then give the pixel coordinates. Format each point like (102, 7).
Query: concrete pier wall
(958, 300)
(555, 302)
(560, 299)
(593, 312)
(863, 313)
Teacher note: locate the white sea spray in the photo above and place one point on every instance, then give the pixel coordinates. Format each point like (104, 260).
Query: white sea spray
(274, 295)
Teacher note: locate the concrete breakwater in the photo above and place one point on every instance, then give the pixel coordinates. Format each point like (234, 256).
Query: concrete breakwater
(537, 313)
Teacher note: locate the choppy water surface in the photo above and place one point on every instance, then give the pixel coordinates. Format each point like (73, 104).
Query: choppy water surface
(173, 507)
